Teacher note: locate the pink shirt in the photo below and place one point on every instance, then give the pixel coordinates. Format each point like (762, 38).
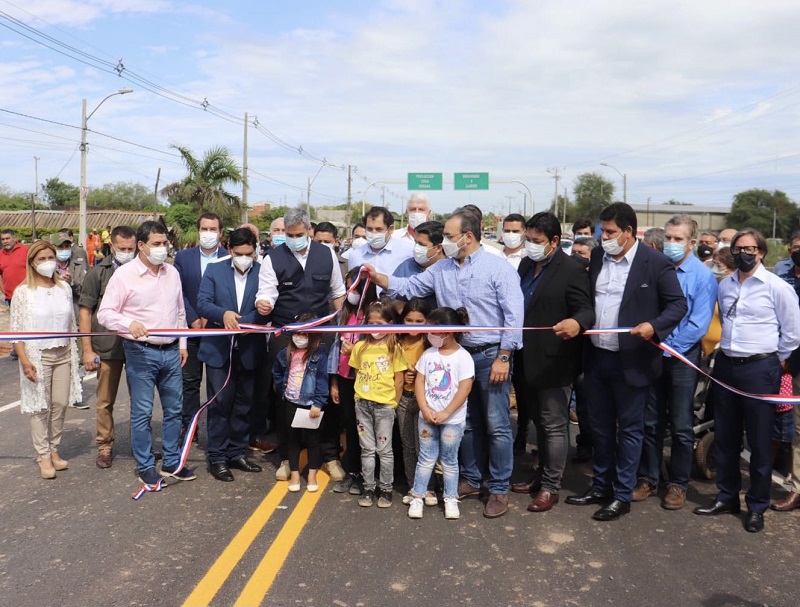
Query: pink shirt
(154, 299)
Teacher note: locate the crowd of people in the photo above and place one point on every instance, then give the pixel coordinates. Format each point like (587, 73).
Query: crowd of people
(437, 398)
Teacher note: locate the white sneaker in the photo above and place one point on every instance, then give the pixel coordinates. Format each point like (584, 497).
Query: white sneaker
(407, 499)
(450, 508)
(283, 472)
(415, 509)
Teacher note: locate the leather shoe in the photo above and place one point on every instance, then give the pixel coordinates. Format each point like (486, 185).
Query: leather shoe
(612, 511)
(589, 498)
(244, 464)
(543, 501)
(221, 472)
(532, 486)
(754, 522)
(496, 506)
(716, 507)
(787, 504)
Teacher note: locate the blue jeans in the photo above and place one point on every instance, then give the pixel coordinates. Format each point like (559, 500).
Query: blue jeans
(671, 400)
(438, 442)
(148, 369)
(488, 428)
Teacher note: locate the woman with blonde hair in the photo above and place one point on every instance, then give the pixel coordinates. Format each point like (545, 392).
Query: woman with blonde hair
(49, 379)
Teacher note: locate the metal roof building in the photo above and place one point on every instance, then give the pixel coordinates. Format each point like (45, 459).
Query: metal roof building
(52, 221)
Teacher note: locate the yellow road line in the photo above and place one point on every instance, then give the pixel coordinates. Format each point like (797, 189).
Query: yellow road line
(267, 570)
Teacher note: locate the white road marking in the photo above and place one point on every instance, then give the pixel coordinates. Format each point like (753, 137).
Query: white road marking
(87, 377)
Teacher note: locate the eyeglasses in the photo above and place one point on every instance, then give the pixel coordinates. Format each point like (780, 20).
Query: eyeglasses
(749, 250)
(451, 236)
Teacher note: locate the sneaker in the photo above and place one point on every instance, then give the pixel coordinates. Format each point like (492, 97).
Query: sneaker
(407, 499)
(184, 474)
(451, 511)
(366, 499)
(344, 485)
(643, 490)
(415, 508)
(335, 470)
(81, 405)
(149, 476)
(283, 472)
(431, 499)
(385, 500)
(357, 488)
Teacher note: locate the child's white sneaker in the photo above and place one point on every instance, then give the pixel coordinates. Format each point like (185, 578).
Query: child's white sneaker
(415, 509)
(450, 508)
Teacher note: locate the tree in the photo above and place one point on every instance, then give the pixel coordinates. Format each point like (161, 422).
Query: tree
(183, 219)
(203, 188)
(122, 195)
(593, 193)
(761, 209)
(15, 201)
(61, 195)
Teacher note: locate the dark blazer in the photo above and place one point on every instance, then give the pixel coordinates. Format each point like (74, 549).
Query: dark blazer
(217, 296)
(652, 294)
(562, 292)
(187, 262)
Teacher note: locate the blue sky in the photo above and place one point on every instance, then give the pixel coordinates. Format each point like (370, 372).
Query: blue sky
(693, 101)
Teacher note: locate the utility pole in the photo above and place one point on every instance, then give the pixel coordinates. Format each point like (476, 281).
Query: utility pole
(349, 196)
(556, 176)
(36, 178)
(244, 173)
(33, 216)
(155, 195)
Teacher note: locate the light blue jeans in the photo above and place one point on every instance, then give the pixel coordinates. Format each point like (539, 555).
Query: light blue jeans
(438, 442)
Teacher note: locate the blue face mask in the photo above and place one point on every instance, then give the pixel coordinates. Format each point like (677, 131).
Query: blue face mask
(278, 240)
(675, 251)
(297, 244)
(64, 255)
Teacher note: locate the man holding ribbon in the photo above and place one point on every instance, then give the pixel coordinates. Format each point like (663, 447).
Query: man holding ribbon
(383, 250)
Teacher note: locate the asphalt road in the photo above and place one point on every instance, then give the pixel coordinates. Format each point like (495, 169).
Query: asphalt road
(80, 540)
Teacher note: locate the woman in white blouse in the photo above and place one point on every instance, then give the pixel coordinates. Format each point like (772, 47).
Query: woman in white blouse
(49, 379)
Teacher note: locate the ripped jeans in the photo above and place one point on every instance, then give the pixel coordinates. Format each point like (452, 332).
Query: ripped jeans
(375, 424)
(438, 442)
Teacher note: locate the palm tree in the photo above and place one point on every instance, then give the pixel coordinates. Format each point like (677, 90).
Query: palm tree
(203, 188)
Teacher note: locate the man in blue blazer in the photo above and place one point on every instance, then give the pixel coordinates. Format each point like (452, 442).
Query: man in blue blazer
(191, 265)
(227, 297)
(632, 286)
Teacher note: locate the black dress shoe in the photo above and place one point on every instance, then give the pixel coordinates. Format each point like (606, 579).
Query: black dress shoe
(221, 472)
(242, 463)
(589, 498)
(754, 522)
(612, 511)
(717, 507)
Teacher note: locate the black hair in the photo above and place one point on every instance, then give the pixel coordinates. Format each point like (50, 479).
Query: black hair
(240, 237)
(546, 223)
(384, 307)
(761, 242)
(474, 210)
(147, 228)
(449, 316)
(213, 216)
(514, 217)
(370, 296)
(383, 213)
(622, 214)
(122, 232)
(360, 224)
(433, 230)
(415, 304)
(326, 226)
(582, 223)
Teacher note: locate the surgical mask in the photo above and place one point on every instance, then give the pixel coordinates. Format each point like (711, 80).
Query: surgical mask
(745, 261)
(63, 255)
(704, 251)
(378, 335)
(243, 263)
(421, 254)
(278, 240)
(123, 258)
(414, 219)
(512, 240)
(612, 246)
(451, 248)
(300, 341)
(796, 258)
(209, 240)
(158, 255)
(675, 251)
(437, 341)
(330, 245)
(376, 240)
(723, 245)
(297, 244)
(537, 252)
(358, 242)
(46, 268)
(353, 297)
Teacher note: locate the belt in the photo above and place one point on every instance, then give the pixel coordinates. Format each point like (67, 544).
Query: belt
(478, 349)
(741, 360)
(169, 346)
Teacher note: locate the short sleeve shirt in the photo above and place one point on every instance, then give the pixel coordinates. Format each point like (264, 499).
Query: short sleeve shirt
(375, 368)
(443, 374)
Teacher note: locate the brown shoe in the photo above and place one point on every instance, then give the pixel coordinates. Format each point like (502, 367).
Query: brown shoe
(675, 498)
(496, 506)
(532, 486)
(466, 490)
(263, 445)
(543, 501)
(787, 504)
(643, 490)
(104, 458)
(58, 463)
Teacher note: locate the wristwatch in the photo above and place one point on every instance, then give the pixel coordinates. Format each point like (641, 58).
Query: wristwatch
(503, 358)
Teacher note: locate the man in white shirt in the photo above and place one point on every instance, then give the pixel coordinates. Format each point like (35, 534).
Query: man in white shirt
(514, 239)
(419, 211)
(383, 250)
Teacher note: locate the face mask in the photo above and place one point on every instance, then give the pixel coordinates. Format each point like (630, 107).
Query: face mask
(436, 341)
(745, 261)
(376, 240)
(46, 268)
(414, 219)
(209, 240)
(353, 298)
(297, 244)
(358, 242)
(674, 251)
(421, 254)
(123, 258)
(612, 246)
(378, 335)
(63, 255)
(704, 251)
(158, 255)
(243, 263)
(719, 273)
(330, 245)
(451, 248)
(537, 252)
(300, 341)
(581, 260)
(796, 258)
(723, 245)
(278, 240)
(512, 240)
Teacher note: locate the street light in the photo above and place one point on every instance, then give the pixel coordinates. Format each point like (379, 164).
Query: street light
(624, 180)
(84, 191)
(364, 196)
(533, 212)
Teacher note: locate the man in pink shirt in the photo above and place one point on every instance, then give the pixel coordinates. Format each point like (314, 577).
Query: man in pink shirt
(146, 293)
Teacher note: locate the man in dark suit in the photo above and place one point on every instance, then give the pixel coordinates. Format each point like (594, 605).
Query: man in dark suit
(556, 293)
(632, 286)
(227, 297)
(191, 265)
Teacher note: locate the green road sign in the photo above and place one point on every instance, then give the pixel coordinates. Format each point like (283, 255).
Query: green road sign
(471, 181)
(424, 181)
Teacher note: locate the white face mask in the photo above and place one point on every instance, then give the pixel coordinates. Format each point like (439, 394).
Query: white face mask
(436, 341)
(451, 248)
(123, 258)
(512, 240)
(300, 341)
(358, 242)
(209, 240)
(46, 268)
(330, 245)
(723, 245)
(243, 263)
(537, 252)
(414, 219)
(612, 246)
(378, 335)
(353, 298)
(376, 240)
(421, 254)
(158, 255)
